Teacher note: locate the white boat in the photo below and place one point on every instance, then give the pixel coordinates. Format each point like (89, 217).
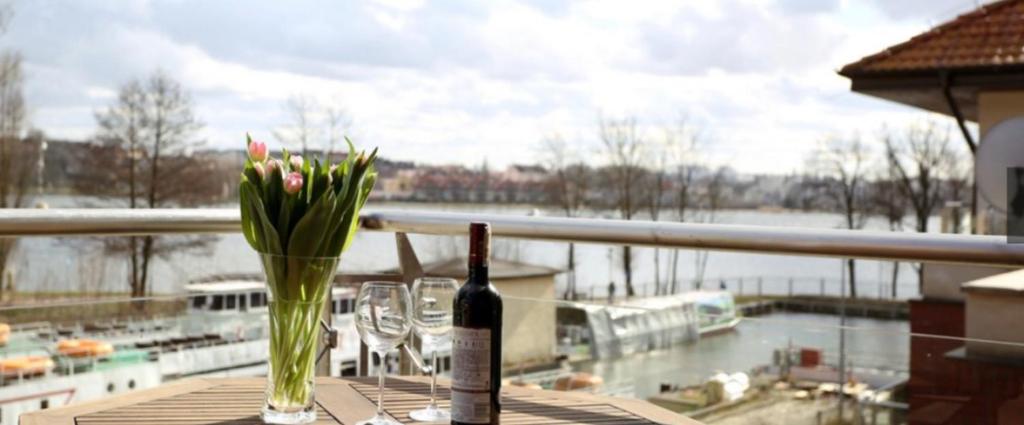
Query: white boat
(223, 333)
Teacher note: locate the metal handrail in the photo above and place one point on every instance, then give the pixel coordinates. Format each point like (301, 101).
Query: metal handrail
(903, 246)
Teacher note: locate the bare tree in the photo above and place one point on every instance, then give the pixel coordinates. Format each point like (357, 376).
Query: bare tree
(338, 123)
(145, 160)
(918, 156)
(681, 142)
(18, 155)
(958, 172)
(623, 146)
(843, 164)
(889, 202)
(568, 186)
(302, 130)
(713, 199)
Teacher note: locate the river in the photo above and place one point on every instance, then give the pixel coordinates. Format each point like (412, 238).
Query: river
(76, 264)
(870, 343)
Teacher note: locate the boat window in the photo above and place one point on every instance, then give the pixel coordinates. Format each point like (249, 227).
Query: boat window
(218, 302)
(110, 387)
(334, 307)
(198, 302)
(44, 404)
(254, 299)
(231, 302)
(131, 384)
(348, 368)
(242, 299)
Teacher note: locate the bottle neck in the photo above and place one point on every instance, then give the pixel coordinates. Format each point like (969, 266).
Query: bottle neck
(478, 274)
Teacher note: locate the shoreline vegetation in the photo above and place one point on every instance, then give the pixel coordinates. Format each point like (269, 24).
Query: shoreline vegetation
(68, 308)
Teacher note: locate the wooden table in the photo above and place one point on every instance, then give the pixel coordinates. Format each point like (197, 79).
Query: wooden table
(340, 401)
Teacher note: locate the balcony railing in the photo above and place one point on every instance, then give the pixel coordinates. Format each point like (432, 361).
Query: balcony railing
(826, 243)
(902, 246)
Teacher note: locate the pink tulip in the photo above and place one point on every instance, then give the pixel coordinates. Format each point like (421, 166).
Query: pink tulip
(260, 170)
(293, 183)
(257, 151)
(273, 164)
(296, 163)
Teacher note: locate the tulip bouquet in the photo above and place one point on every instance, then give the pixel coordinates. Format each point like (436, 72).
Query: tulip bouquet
(299, 215)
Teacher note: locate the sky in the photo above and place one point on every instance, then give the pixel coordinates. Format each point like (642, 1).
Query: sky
(445, 82)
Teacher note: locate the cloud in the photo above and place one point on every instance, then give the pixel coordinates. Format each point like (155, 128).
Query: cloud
(458, 81)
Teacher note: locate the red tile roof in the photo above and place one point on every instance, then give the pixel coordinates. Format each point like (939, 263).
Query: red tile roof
(991, 36)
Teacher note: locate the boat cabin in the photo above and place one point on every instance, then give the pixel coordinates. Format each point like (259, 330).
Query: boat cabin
(250, 296)
(227, 297)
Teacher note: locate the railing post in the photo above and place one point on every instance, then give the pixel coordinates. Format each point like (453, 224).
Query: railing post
(791, 287)
(823, 287)
(741, 286)
(759, 292)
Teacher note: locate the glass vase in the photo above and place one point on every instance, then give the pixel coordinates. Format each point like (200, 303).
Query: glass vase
(298, 288)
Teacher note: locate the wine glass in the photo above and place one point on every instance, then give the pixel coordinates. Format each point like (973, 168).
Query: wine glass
(382, 319)
(432, 299)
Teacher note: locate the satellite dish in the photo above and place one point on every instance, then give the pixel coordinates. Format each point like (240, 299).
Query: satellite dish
(1000, 149)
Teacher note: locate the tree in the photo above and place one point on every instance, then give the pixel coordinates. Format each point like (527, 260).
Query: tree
(654, 189)
(713, 198)
(18, 155)
(681, 143)
(918, 156)
(958, 172)
(144, 160)
(338, 123)
(302, 130)
(842, 163)
(568, 187)
(889, 202)
(623, 146)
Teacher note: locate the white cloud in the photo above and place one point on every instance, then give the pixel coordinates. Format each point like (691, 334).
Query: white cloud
(457, 82)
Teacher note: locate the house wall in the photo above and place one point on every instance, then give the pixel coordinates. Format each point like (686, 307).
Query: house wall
(995, 317)
(528, 328)
(942, 281)
(994, 107)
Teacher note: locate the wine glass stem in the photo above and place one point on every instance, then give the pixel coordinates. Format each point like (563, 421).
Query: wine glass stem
(433, 378)
(383, 356)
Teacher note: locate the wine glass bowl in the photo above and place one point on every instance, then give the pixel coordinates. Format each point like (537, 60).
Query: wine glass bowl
(432, 300)
(382, 318)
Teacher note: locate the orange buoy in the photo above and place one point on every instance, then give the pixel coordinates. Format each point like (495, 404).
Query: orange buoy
(84, 348)
(27, 365)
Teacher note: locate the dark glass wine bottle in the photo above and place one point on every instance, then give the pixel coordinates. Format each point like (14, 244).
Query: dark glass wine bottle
(476, 339)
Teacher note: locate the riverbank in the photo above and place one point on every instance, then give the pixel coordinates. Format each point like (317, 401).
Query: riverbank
(69, 308)
(853, 307)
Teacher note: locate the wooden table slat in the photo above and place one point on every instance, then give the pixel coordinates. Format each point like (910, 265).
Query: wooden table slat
(237, 401)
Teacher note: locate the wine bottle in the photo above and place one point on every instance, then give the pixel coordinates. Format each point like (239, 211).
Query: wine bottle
(476, 339)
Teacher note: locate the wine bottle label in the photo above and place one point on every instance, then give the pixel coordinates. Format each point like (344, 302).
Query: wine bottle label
(471, 375)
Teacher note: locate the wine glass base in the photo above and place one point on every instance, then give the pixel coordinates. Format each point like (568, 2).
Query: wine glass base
(431, 414)
(379, 420)
(270, 416)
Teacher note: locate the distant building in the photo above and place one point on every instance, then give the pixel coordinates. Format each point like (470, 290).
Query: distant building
(971, 68)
